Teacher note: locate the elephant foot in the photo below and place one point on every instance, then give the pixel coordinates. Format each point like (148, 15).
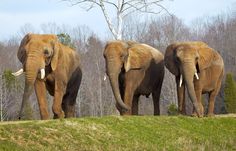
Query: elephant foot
(126, 113)
(45, 118)
(181, 112)
(210, 115)
(59, 116)
(70, 115)
(194, 114)
(45, 115)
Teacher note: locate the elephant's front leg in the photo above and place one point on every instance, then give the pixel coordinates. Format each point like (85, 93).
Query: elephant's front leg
(198, 92)
(181, 95)
(128, 97)
(40, 90)
(60, 88)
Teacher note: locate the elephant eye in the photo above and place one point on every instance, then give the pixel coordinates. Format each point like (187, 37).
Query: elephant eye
(197, 58)
(46, 53)
(122, 57)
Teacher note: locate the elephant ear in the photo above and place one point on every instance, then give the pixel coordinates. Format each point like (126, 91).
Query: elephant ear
(138, 57)
(21, 54)
(56, 47)
(205, 57)
(170, 59)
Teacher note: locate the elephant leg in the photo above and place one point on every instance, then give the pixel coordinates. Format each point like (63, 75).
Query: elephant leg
(122, 89)
(132, 81)
(181, 95)
(135, 105)
(156, 101)
(198, 92)
(40, 90)
(128, 97)
(199, 99)
(212, 96)
(69, 99)
(57, 103)
(211, 103)
(68, 105)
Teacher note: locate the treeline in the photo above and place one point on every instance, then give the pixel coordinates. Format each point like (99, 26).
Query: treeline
(95, 96)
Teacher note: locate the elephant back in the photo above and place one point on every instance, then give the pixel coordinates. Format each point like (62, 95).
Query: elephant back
(156, 54)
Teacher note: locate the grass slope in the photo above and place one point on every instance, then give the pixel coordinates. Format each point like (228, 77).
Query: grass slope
(121, 133)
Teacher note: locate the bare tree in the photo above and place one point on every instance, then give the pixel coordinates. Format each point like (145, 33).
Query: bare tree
(121, 8)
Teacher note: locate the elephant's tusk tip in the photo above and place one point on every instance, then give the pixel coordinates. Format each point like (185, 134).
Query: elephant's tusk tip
(196, 75)
(180, 81)
(105, 77)
(17, 73)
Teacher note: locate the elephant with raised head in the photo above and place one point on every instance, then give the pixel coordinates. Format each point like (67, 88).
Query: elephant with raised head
(199, 68)
(49, 65)
(134, 69)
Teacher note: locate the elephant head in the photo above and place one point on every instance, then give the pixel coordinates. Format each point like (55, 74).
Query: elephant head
(35, 53)
(121, 57)
(186, 60)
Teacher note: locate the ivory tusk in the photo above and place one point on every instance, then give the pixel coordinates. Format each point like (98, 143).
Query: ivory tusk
(196, 75)
(42, 71)
(17, 73)
(181, 80)
(105, 77)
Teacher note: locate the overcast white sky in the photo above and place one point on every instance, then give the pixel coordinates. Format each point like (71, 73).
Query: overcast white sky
(16, 13)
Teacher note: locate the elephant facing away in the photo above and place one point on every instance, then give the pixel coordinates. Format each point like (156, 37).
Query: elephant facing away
(197, 67)
(49, 65)
(134, 69)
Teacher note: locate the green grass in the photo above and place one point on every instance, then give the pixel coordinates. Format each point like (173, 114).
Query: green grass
(121, 133)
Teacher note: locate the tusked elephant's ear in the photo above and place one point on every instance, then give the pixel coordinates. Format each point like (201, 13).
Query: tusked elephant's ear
(170, 59)
(206, 55)
(21, 54)
(56, 46)
(138, 57)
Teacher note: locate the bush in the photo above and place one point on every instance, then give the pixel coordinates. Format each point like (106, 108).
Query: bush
(9, 79)
(230, 94)
(172, 109)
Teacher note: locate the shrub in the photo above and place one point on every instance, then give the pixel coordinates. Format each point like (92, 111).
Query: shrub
(230, 93)
(172, 109)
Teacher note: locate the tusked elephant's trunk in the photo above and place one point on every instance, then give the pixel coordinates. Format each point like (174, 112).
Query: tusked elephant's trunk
(32, 69)
(113, 76)
(188, 73)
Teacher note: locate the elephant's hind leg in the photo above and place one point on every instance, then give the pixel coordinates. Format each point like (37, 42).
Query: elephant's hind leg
(211, 103)
(135, 105)
(156, 96)
(212, 96)
(69, 99)
(156, 102)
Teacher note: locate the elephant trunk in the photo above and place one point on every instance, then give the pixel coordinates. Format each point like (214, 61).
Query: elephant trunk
(113, 76)
(188, 73)
(32, 69)
(25, 101)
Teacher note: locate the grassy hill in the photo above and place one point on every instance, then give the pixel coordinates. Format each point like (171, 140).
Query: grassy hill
(121, 133)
